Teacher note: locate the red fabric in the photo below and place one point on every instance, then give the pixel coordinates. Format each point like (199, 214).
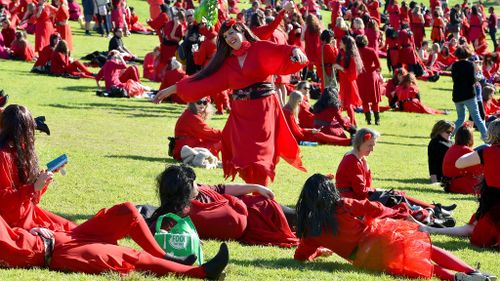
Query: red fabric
(149, 67)
(407, 52)
(44, 56)
(193, 131)
(476, 28)
(59, 64)
(306, 117)
(369, 80)
(118, 17)
(336, 11)
(19, 201)
(302, 134)
(354, 173)
(111, 72)
(437, 33)
(373, 37)
(408, 96)
(394, 16)
(462, 180)
(9, 34)
(158, 22)
(491, 156)
(339, 33)
(491, 109)
(154, 8)
(486, 232)
(256, 150)
(490, 72)
(373, 10)
(417, 27)
(329, 58)
(349, 93)
(312, 45)
(44, 27)
(333, 117)
(62, 16)
(393, 51)
(205, 52)
(168, 51)
(265, 32)
(170, 78)
(22, 50)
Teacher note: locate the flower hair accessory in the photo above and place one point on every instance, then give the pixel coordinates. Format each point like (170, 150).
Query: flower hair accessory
(467, 124)
(367, 137)
(230, 22)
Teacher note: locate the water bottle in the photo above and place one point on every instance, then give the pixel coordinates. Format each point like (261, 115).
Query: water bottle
(308, 143)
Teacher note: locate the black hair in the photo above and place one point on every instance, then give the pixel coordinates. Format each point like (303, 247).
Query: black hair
(175, 188)
(326, 36)
(329, 98)
(318, 201)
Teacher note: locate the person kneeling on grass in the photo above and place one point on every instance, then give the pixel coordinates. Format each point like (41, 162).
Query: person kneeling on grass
(224, 211)
(327, 222)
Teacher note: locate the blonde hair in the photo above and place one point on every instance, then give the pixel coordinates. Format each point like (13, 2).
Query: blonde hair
(359, 137)
(494, 132)
(340, 23)
(441, 126)
(293, 103)
(357, 23)
(436, 47)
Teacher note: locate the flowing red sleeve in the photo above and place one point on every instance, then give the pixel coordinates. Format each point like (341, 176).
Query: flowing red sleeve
(207, 49)
(159, 21)
(278, 58)
(200, 128)
(190, 90)
(296, 130)
(306, 251)
(265, 32)
(364, 208)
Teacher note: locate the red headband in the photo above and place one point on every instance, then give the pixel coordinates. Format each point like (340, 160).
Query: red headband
(230, 22)
(367, 137)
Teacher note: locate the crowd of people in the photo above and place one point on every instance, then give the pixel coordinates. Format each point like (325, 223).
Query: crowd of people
(263, 66)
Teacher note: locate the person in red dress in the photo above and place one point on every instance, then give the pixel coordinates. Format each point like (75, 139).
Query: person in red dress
(306, 116)
(191, 129)
(21, 48)
(409, 97)
(417, 27)
(92, 248)
(326, 58)
(394, 14)
(392, 42)
(312, 41)
(61, 63)
(349, 65)
(407, 52)
(173, 74)
(358, 231)
(328, 115)
(372, 33)
(255, 135)
(154, 8)
(135, 26)
(340, 30)
(358, 27)
(22, 184)
(42, 63)
(151, 59)
(61, 23)
(44, 26)
(301, 133)
(466, 180)
(369, 80)
(8, 33)
(483, 227)
(476, 25)
(247, 213)
(438, 26)
(373, 6)
(336, 10)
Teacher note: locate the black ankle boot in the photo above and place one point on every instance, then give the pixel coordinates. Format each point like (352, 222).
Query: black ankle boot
(215, 267)
(377, 118)
(41, 126)
(368, 117)
(189, 260)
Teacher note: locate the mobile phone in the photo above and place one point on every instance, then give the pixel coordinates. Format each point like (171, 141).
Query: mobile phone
(57, 163)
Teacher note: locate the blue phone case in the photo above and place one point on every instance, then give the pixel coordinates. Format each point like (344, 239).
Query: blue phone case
(57, 163)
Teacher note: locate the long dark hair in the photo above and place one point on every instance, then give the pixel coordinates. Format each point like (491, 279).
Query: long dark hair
(18, 128)
(223, 49)
(316, 207)
(329, 98)
(350, 51)
(175, 187)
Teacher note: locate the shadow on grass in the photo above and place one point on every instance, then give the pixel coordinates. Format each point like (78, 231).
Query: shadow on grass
(402, 144)
(463, 198)
(74, 217)
(460, 244)
(81, 88)
(140, 110)
(144, 158)
(405, 136)
(284, 263)
(438, 190)
(441, 89)
(414, 180)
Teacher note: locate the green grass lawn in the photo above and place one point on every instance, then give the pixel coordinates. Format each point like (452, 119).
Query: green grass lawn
(117, 147)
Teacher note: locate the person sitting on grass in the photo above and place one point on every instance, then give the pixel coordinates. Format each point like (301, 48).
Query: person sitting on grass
(244, 212)
(116, 44)
(62, 64)
(42, 64)
(409, 97)
(437, 148)
(330, 223)
(467, 180)
(21, 48)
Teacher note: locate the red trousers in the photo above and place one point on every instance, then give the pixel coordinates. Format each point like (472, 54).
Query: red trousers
(326, 138)
(92, 246)
(132, 72)
(77, 68)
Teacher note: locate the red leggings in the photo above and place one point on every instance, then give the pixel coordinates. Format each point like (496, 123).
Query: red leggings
(446, 261)
(78, 69)
(132, 72)
(92, 246)
(350, 113)
(374, 107)
(326, 139)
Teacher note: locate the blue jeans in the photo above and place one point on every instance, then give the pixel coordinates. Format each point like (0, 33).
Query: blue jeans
(473, 108)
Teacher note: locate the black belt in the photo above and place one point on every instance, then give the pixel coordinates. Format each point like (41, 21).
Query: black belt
(345, 189)
(49, 249)
(256, 91)
(168, 42)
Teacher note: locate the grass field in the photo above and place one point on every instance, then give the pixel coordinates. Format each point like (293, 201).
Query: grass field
(117, 147)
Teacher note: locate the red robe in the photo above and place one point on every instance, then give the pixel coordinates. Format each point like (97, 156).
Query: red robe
(251, 219)
(62, 25)
(394, 247)
(394, 16)
(22, 50)
(461, 180)
(154, 8)
(407, 96)
(60, 64)
(19, 201)
(312, 45)
(393, 51)
(306, 117)
(336, 11)
(418, 29)
(373, 37)
(407, 54)
(437, 33)
(193, 131)
(331, 122)
(349, 93)
(205, 52)
(476, 28)
(44, 56)
(369, 80)
(302, 134)
(373, 10)
(354, 178)
(149, 67)
(9, 34)
(113, 75)
(44, 27)
(170, 78)
(329, 58)
(255, 151)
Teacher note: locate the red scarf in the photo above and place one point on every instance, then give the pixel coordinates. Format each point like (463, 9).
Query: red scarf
(245, 45)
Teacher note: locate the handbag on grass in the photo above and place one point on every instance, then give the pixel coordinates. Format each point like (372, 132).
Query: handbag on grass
(181, 240)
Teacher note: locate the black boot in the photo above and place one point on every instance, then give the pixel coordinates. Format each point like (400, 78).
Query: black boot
(368, 117)
(215, 267)
(41, 126)
(377, 118)
(189, 260)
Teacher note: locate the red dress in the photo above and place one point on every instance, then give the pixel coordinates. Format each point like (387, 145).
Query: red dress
(336, 12)
(349, 93)
(193, 131)
(418, 29)
(476, 27)
(393, 51)
(384, 245)
(265, 32)
(394, 16)
(19, 201)
(170, 78)
(331, 122)
(407, 54)
(329, 58)
(407, 96)
(205, 52)
(373, 10)
(44, 56)
(62, 26)
(154, 8)
(313, 44)
(302, 134)
(306, 117)
(59, 65)
(354, 178)
(369, 80)
(149, 67)
(22, 50)
(112, 74)
(9, 34)
(44, 27)
(437, 33)
(254, 151)
(461, 180)
(373, 37)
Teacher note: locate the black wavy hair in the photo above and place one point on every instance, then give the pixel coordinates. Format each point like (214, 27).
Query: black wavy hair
(316, 206)
(329, 98)
(175, 187)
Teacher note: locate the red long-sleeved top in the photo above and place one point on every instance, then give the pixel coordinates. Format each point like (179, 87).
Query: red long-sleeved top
(354, 174)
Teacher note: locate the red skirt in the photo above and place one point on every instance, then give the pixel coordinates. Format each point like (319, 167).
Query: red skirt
(416, 106)
(486, 233)
(369, 87)
(256, 135)
(396, 247)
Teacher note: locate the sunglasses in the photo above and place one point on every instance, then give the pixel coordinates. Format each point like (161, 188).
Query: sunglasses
(200, 102)
(449, 132)
(307, 88)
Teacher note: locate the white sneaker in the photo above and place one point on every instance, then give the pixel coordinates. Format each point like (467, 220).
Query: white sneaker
(474, 276)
